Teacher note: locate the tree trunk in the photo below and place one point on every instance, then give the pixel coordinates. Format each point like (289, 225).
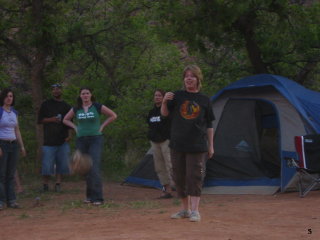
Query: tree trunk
(245, 25)
(36, 72)
(36, 75)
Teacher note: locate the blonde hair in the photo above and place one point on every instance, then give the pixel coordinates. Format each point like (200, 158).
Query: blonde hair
(196, 71)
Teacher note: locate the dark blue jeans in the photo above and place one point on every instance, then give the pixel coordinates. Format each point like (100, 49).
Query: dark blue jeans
(8, 166)
(93, 146)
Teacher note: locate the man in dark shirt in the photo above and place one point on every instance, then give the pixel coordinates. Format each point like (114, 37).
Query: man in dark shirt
(55, 149)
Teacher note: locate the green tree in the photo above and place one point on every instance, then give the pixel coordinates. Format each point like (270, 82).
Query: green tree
(120, 56)
(260, 36)
(109, 45)
(30, 37)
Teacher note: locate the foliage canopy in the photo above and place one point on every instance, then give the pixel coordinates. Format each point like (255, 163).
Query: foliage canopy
(125, 49)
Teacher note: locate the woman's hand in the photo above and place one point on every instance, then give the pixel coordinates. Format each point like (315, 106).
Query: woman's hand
(111, 116)
(164, 108)
(67, 139)
(67, 120)
(168, 96)
(23, 152)
(210, 152)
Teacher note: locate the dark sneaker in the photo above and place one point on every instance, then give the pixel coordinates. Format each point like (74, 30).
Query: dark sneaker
(195, 216)
(166, 196)
(57, 187)
(13, 205)
(181, 214)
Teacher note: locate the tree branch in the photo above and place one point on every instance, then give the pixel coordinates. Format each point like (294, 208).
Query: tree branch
(302, 76)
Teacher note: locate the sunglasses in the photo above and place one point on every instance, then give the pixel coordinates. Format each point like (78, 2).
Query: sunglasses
(56, 85)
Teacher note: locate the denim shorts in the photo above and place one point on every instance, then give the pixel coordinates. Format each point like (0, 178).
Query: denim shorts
(55, 159)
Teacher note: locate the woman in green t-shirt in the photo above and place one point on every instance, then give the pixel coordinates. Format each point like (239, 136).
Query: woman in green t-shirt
(89, 138)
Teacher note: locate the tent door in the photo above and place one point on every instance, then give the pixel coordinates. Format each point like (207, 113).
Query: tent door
(246, 142)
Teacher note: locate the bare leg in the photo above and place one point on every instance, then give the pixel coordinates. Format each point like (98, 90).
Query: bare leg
(57, 187)
(45, 180)
(194, 203)
(186, 203)
(195, 215)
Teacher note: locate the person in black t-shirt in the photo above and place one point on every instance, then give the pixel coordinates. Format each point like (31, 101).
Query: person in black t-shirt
(191, 140)
(55, 149)
(159, 134)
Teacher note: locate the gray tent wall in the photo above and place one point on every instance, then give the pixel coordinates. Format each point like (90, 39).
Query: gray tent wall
(144, 173)
(290, 123)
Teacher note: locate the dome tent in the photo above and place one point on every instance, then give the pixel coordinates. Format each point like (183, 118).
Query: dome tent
(257, 118)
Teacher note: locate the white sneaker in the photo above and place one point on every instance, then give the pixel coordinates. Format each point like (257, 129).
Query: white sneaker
(181, 214)
(195, 216)
(97, 203)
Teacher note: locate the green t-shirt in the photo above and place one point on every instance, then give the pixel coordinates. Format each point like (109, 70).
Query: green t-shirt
(88, 122)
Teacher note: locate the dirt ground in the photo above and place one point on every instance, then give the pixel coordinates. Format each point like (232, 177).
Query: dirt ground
(136, 213)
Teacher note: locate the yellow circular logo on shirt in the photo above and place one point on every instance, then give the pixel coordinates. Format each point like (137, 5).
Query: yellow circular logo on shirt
(190, 110)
